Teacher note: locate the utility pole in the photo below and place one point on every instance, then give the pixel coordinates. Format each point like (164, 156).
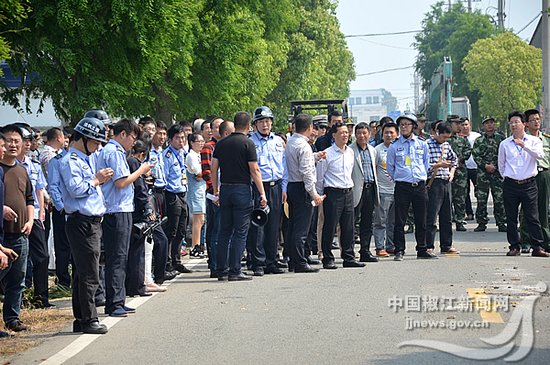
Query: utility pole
(501, 15)
(469, 6)
(545, 108)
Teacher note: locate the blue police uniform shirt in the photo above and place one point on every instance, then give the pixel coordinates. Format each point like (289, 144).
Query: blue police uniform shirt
(156, 157)
(38, 181)
(117, 200)
(79, 194)
(271, 156)
(54, 176)
(174, 170)
(408, 160)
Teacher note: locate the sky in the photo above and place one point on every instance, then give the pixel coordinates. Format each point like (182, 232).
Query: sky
(373, 54)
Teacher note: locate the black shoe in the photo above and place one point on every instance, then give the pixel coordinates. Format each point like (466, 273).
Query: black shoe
(398, 256)
(100, 303)
(273, 269)
(425, 255)
(169, 275)
(514, 251)
(305, 269)
(330, 266)
(222, 277)
(213, 275)
(368, 257)
(94, 328)
(17, 326)
(334, 246)
(502, 228)
(353, 264)
(4, 334)
(259, 271)
(481, 227)
(460, 227)
(312, 261)
(240, 277)
(48, 305)
(182, 269)
(281, 264)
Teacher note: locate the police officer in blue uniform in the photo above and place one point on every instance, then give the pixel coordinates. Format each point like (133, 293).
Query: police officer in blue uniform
(407, 164)
(262, 241)
(117, 222)
(176, 188)
(160, 248)
(84, 207)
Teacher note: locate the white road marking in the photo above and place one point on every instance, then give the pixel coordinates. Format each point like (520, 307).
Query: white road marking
(85, 340)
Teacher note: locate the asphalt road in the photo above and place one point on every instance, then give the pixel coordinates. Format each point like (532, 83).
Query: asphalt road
(341, 316)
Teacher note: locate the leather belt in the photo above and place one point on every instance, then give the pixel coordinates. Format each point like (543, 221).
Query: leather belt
(368, 185)
(158, 190)
(91, 218)
(520, 182)
(271, 183)
(414, 184)
(339, 190)
(541, 169)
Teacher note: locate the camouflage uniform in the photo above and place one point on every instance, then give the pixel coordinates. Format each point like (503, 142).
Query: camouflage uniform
(543, 186)
(463, 150)
(485, 151)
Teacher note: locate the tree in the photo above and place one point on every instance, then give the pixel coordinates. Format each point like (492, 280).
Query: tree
(319, 66)
(389, 101)
(10, 11)
(506, 72)
(450, 33)
(84, 54)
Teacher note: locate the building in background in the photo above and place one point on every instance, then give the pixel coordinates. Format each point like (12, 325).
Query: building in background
(368, 105)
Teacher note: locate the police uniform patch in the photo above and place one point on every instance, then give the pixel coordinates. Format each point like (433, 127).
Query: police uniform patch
(168, 154)
(74, 156)
(59, 156)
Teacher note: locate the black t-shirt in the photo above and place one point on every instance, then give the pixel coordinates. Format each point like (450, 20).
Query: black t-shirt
(234, 152)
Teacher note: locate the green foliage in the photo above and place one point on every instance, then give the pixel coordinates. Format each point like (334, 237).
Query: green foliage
(319, 64)
(506, 72)
(450, 33)
(11, 11)
(178, 58)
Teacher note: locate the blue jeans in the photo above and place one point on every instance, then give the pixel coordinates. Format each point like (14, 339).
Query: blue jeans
(14, 277)
(235, 209)
(212, 233)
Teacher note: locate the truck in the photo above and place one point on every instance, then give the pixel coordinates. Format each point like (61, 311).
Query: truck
(439, 101)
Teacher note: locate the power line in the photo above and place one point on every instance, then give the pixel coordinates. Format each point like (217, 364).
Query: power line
(380, 34)
(528, 24)
(383, 71)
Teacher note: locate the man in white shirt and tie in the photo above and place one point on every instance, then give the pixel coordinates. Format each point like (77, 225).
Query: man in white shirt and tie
(517, 163)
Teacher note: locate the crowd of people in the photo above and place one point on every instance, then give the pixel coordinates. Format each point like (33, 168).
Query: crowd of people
(126, 201)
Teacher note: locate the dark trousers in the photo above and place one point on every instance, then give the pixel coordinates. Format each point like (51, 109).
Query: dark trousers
(310, 247)
(37, 266)
(14, 277)
(62, 248)
(212, 233)
(472, 178)
(261, 243)
(525, 194)
(235, 209)
(338, 208)
(85, 240)
(135, 273)
(439, 205)
(117, 229)
(365, 209)
(160, 254)
(300, 212)
(176, 210)
(406, 194)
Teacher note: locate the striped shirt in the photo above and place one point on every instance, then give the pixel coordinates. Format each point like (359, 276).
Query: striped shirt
(435, 151)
